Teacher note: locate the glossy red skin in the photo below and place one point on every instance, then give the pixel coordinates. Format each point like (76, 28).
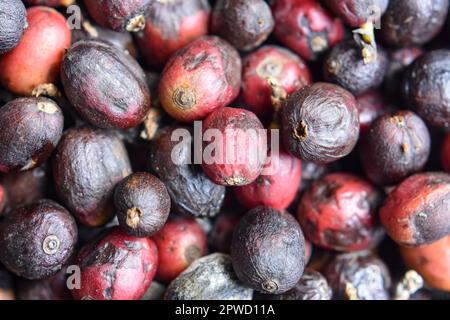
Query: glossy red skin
(179, 242)
(275, 62)
(295, 34)
(201, 77)
(445, 154)
(115, 14)
(370, 105)
(222, 232)
(337, 213)
(170, 27)
(243, 154)
(278, 188)
(129, 276)
(432, 262)
(2, 199)
(37, 58)
(416, 211)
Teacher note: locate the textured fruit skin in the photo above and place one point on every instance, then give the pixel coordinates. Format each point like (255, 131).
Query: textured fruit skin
(371, 105)
(245, 24)
(142, 203)
(268, 250)
(116, 14)
(338, 212)
(362, 271)
(280, 64)
(106, 86)
(30, 128)
(242, 152)
(53, 288)
(425, 87)
(171, 25)
(416, 212)
(6, 285)
(445, 154)
(180, 242)
(357, 12)
(37, 240)
(345, 66)
(37, 58)
(189, 188)
(199, 78)
(116, 267)
(306, 27)
(222, 233)
(432, 262)
(396, 146)
(278, 188)
(13, 19)
(208, 278)
(312, 286)
(320, 123)
(399, 31)
(87, 166)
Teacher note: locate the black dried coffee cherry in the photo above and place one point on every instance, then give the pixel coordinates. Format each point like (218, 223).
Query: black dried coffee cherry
(408, 23)
(142, 203)
(87, 166)
(189, 188)
(245, 24)
(106, 86)
(268, 250)
(395, 147)
(346, 66)
(30, 128)
(320, 123)
(37, 240)
(13, 22)
(425, 87)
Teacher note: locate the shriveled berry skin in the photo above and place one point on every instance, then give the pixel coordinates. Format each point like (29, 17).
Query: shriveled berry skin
(13, 19)
(116, 267)
(87, 166)
(277, 187)
(30, 129)
(37, 240)
(445, 154)
(396, 146)
(171, 25)
(417, 211)
(199, 78)
(52, 288)
(189, 188)
(339, 212)
(268, 250)
(432, 262)
(320, 123)
(6, 285)
(361, 274)
(425, 87)
(345, 66)
(142, 203)
(408, 23)
(119, 15)
(371, 105)
(208, 278)
(357, 12)
(37, 58)
(242, 151)
(222, 233)
(106, 86)
(245, 24)
(277, 63)
(312, 286)
(180, 242)
(306, 27)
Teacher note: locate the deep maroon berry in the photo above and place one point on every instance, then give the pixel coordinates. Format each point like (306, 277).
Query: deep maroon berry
(357, 12)
(371, 105)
